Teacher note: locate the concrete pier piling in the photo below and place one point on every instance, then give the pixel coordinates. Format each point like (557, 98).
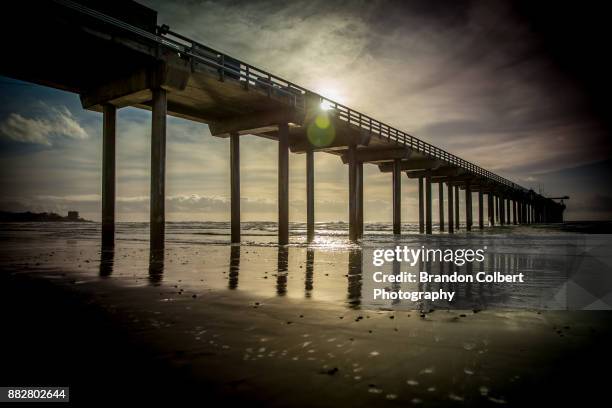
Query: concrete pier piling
(235, 186)
(526, 209)
(158, 169)
(359, 215)
(109, 127)
(352, 164)
(310, 218)
(527, 213)
(480, 209)
(508, 217)
(490, 209)
(468, 207)
(397, 197)
(428, 210)
(441, 205)
(497, 213)
(283, 183)
(509, 211)
(451, 209)
(421, 207)
(457, 219)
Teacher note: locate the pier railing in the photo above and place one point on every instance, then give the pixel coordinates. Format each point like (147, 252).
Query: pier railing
(252, 77)
(392, 134)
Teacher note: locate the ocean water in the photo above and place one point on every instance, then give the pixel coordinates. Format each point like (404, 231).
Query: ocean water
(265, 233)
(563, 269)
(286, 319)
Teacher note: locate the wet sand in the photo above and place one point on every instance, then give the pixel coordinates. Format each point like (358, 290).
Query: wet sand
(269, 329)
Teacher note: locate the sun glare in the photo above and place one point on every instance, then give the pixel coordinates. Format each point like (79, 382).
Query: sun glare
(331, 94)
(326, 105)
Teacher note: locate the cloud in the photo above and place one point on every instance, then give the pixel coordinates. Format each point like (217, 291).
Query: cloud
(56, 124)
(470, 77)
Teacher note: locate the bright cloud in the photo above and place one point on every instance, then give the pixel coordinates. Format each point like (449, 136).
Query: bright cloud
(56, 124)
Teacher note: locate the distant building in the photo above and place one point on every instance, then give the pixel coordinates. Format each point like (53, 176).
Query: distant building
(73, 215)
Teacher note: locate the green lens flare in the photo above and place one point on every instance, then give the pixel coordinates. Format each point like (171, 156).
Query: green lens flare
(322, 121)
(321, 131)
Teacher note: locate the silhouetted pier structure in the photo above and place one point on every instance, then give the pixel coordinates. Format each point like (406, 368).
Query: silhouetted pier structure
(114, 54)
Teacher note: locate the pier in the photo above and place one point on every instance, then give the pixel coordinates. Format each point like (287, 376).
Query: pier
(115, 55)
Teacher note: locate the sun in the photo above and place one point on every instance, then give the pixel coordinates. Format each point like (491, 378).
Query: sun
(326, 105)
(331, 93)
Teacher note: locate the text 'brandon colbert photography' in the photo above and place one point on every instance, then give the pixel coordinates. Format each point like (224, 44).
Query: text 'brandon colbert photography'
(410, 256)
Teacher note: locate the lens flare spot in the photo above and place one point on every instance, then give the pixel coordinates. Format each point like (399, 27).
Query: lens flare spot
(326, 105)
(322, 121)
(321, 131)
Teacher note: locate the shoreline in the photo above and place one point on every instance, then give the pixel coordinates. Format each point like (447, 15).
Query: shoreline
(274, 326)
(279, 350)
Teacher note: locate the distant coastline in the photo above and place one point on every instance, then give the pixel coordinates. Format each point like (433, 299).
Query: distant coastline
(7, 216)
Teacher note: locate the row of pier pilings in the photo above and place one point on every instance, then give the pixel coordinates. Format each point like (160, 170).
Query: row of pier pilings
(505, 206)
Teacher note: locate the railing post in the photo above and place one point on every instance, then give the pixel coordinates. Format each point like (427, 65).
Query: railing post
(269, 86)
(222, 69)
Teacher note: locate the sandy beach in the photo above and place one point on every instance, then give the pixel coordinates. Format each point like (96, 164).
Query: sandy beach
(258, 324)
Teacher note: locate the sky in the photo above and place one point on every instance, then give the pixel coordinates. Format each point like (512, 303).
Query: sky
(506, 85)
